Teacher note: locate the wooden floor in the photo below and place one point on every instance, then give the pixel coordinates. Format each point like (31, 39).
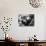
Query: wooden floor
(9, 43)
(3, 43)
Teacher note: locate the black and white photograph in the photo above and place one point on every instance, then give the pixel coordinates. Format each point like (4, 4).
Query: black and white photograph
(26, 20)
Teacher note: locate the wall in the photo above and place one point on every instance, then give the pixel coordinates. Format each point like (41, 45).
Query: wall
(12, 8)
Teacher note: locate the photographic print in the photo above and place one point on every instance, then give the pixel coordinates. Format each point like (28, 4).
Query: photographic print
(26, 20)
